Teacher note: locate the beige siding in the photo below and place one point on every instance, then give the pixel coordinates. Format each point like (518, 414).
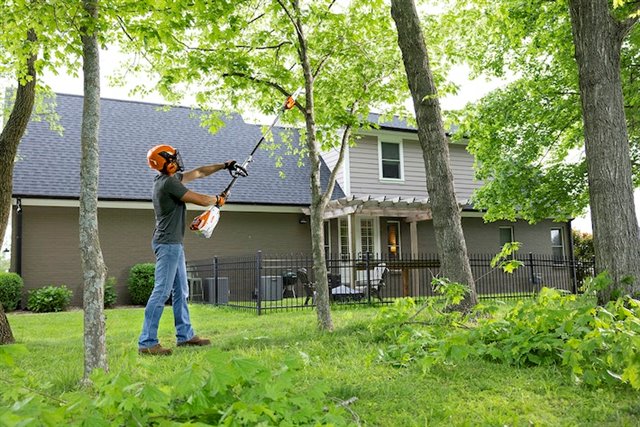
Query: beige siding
(50, 253)
(331, 158)
(483, 238)
(365, 175)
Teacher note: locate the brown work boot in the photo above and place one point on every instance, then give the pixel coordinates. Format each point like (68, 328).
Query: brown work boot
(156, 350)
(195, 341)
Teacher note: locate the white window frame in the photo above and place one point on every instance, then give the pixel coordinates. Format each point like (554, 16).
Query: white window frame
(326, 229)
(391, 140)
(375, 237)
(343, 226)
(562, 241)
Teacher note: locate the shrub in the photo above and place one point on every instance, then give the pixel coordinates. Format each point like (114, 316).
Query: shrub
(10, 290)
(140, 283)
(48, 299)
(110, 292)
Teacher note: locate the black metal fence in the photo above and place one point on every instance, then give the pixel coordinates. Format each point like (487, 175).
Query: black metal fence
(266, 282)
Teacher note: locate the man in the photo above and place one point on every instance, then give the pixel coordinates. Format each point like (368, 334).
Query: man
(169, 203)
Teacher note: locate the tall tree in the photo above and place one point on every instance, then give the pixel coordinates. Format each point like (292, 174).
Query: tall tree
(447, 224)
(598, 36)
(573, 67)
(93, 267)
(14, 129)
(10, 138)
(255, 52)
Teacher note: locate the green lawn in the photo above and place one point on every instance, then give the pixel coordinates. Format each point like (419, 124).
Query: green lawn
(470, 393)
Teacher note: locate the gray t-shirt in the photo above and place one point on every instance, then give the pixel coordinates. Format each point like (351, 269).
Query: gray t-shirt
(170, 210)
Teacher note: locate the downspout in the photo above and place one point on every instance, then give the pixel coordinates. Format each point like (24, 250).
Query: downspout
(18, 249)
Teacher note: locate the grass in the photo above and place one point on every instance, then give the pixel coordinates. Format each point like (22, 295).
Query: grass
(470, 393)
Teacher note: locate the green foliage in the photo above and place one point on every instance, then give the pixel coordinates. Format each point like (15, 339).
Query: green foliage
(504, 260)
(10, 290)
(527, 137)
(48, 299)
(583, 245)
(140, 282)
(594, 344)
(396, 323)
(473, 391)
(222, 390)
(110, 295)
(246, 63)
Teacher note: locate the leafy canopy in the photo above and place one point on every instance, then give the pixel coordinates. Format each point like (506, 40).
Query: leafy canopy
(247, 55)
(527, 137)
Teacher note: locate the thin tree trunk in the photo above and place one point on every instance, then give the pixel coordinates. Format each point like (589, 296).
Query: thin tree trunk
(12, 134)
(93, 268)
(9, 140)
(318, 202)
(6, 336)
(598, 39)
(450, 241)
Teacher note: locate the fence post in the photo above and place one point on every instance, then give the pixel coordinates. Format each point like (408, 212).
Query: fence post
(367, 265)
(574, 273)
(215, 280)
(258, 284)
(533, 275)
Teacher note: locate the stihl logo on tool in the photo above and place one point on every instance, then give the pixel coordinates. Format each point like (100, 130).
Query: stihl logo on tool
(206, 222)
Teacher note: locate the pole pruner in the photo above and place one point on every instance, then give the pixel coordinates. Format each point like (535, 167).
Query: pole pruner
(206, 222)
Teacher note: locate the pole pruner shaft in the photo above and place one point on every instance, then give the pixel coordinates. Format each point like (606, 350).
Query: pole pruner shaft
(289, 103)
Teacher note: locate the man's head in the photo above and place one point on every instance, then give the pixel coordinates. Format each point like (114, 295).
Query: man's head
(165, 159)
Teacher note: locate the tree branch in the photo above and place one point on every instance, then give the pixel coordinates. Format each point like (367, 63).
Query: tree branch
(269, 83)
(626, 25)
(291, 18)
(346, 134)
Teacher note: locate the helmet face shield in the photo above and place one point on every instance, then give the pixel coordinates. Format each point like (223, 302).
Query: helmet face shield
(173, 161)
(178, 160)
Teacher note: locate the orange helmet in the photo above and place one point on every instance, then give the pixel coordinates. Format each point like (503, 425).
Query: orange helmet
(165, 158)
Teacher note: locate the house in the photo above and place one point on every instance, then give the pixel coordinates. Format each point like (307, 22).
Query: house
(379, 204)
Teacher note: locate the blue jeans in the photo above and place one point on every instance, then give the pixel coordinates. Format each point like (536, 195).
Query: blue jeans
(170, 278)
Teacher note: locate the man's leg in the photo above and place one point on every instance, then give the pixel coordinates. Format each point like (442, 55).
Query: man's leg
(165, 273)
(180, 293)
(184, 331)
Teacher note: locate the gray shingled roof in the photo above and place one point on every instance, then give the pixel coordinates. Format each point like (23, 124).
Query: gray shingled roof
(49, 164)
(399, 124)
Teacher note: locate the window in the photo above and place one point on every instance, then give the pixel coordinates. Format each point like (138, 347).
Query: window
(393, 239)
(557, 243)
(366, 235)
(343, 227)
(327, 240)
(390, 160)
(506, 235)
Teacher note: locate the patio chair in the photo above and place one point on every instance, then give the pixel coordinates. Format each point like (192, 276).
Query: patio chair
(378, 277)
(309, 287)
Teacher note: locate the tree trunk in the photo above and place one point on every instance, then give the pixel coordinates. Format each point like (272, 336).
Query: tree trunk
(452, 247)
(6, 336)
(598, 39)
(318, 202)
(93, 268)
(12, 134)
